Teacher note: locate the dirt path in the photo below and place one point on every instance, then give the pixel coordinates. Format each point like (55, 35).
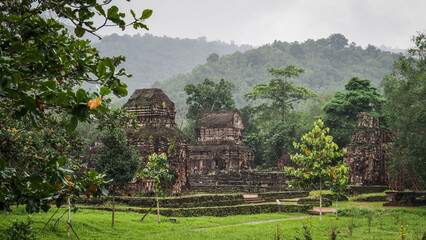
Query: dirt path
(251, 223)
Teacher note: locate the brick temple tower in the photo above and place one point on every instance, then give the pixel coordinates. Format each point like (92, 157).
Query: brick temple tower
(219, 143)
(158, 133)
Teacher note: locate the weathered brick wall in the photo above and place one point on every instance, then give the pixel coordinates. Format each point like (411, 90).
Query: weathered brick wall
(207, 159)
(219, 143)
(239, 181)
(363, 155)
(158, 133)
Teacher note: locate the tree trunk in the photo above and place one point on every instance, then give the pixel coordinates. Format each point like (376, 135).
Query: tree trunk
(69, 217)
(158, 210)
(337, 200)
(113, 209)
(320, 201)
(148, 211)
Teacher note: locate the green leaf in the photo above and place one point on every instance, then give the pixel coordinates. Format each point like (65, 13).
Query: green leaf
(100, 10)
(104, 91)
(79, 31)
(108, 62)
(133, 13)
(101, 69)
(120, 91)
(14, 18)
(102, 109)
(112, 12)
(81, 111)
(72, 124)
(146, 13)
(81, 96)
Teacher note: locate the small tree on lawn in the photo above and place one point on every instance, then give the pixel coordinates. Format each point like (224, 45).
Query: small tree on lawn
(157, 170)
(339, 181)
(117, 160)
(318, 151)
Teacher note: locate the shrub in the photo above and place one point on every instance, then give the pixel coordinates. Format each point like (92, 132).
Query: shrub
(359, 212)
(20, 230)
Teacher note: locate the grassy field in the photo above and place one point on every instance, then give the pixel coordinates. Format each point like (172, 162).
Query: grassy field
(93, 224)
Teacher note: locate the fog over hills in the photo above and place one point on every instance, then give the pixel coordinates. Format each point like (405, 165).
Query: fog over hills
(150, 58)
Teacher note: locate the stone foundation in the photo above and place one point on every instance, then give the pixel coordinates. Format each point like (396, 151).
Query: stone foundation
(407, 199)
(239, 181)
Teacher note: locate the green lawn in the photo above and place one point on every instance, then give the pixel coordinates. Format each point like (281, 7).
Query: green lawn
(93, 224)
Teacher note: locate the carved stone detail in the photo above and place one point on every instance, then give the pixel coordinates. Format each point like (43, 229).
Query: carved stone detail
(363, 156)
(219, 143)
(158, 132)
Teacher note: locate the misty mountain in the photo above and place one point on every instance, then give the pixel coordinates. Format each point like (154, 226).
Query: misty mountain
(328, 62)
(150, 58)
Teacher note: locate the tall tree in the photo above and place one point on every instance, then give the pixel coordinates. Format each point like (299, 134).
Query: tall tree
(209, 96)
(157, 169)
(282, 93)
(317, 152)
(405, 92)
(117, 160)
(341, 111)
(337, 40)
(42, 70)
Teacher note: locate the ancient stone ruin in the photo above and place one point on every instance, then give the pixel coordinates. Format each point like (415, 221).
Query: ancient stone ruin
(158, 133)
(364, 156)
(219, 143)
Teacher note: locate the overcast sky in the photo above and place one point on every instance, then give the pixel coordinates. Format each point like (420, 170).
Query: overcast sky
(257, 22)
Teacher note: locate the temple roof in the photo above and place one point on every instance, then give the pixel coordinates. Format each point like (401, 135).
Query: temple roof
(149, 97)
(222, 119)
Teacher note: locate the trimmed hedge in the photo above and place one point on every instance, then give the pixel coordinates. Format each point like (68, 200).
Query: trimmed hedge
(367, 189)
(175, 202)
(315, 201)
(375, 198)
(215, 211)
(272, 196)
(233, 210)
(341, 197)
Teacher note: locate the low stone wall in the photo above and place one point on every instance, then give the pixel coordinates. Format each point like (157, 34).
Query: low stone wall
(341, 197)
(175, 202)
(367, 189)
(405, 199)
(378, 198)
(272, 196)
(214, 211)
(315, 202)
(233, 210)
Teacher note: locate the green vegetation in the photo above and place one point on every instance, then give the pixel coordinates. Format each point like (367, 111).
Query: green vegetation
(92, 224)
(150, 58)
(340, 112)
(206, 96)
(282, 93)
(405, 92)
(327, 67)
(117, 160)
(209, 96)
(317, 154)
(157, 170)
(42, 70)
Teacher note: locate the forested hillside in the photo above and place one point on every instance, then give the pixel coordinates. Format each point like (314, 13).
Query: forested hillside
(329, 63)
(150, 58)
